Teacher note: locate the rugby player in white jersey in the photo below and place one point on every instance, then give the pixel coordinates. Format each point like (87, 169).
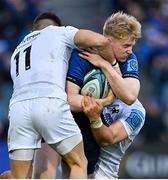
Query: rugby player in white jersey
(38, 107)
(114, 131)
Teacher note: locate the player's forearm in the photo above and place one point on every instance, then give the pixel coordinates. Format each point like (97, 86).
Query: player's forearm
(125, 91)
(106, 52)
(112, 134)
(75, 103)
(103, 135)
(86, 38)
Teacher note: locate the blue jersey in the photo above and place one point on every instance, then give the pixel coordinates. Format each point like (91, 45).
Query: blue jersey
(78, 68)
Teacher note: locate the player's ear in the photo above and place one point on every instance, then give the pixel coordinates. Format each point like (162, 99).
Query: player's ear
(110, 39)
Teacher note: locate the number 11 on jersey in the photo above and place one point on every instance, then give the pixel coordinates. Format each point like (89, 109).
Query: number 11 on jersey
(27, 52)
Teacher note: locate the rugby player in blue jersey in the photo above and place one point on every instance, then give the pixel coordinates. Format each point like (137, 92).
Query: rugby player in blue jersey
(125, 87)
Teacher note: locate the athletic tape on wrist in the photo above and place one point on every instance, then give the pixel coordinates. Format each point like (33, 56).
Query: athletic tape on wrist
(96, 124)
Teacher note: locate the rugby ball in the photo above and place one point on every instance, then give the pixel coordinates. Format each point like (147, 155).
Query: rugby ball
(95, 84)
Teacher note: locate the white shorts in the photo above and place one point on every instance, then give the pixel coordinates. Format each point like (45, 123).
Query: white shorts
(32, 119)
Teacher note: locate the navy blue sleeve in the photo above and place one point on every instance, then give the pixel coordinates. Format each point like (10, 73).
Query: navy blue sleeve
(78, 68)
(129, 68)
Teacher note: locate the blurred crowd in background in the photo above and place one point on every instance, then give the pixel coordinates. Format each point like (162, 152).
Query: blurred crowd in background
(16, 18)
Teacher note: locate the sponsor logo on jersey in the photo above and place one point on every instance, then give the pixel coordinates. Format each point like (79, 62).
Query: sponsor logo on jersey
(135, 119)
(132, 65)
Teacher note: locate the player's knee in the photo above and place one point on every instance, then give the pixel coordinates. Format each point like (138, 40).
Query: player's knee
(72, 151)
(76, 157)
(76, 160)
(81, 162)
(84, 162)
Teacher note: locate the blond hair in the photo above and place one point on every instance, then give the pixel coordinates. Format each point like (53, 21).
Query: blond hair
(122, 26)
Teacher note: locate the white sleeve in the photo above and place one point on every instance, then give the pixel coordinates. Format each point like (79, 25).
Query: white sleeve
(133, 123)
(69, 36)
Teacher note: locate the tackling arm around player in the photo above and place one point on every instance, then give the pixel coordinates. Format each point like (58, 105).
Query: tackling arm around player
(114, 131)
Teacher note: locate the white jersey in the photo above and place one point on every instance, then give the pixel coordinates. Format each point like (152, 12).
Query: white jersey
(132, 117)
(39, 63)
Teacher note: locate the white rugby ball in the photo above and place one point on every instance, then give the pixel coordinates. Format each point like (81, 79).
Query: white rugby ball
(95, 84)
